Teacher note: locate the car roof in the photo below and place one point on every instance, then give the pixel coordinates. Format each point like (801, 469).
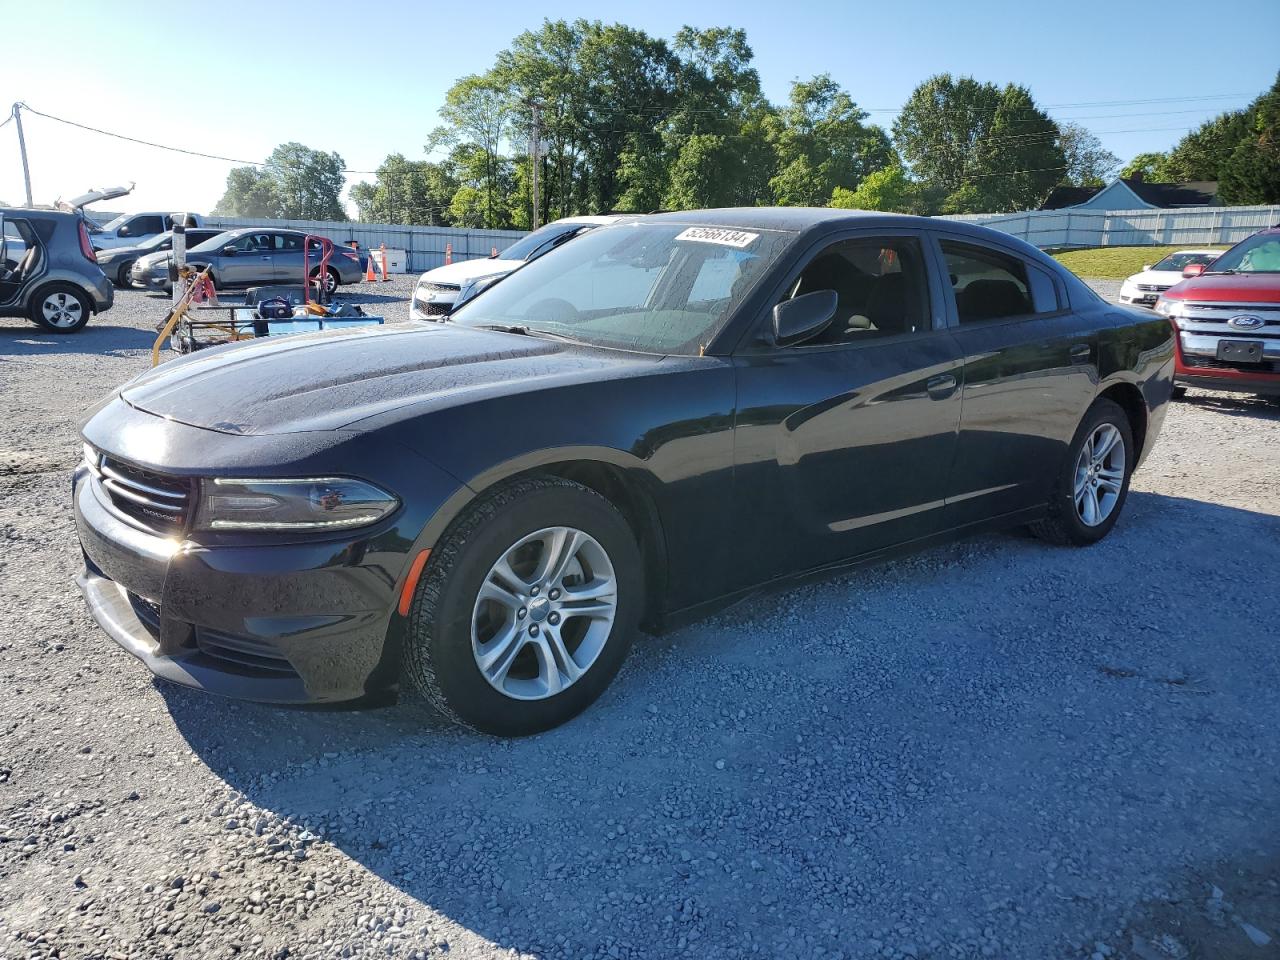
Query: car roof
(598, 220)
(36, 212)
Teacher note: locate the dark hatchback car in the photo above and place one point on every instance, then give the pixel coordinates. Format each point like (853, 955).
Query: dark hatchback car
(48, 271)
(664, 416)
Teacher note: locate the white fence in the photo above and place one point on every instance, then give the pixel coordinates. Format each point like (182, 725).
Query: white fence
(425, 245)
(1111, 228)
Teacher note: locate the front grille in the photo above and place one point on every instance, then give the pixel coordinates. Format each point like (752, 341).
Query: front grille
(149, 500)
(440, 287)
(432, 309)
(1153, 287)
(245, 654)
(1213, 363)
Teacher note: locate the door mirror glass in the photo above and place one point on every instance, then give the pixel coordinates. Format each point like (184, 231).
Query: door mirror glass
(804, 317)
(1193, 270)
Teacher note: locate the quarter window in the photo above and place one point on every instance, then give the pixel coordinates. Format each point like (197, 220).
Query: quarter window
(879, 284)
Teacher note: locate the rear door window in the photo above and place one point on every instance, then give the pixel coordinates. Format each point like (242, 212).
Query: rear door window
(988, 284)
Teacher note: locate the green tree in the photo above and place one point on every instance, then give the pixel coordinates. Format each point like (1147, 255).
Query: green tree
(477, 109)
(251, 192)
(889, 189)
(821, 143)
(407, 191)
(984, 147)
(1088, 162)
(308, 183)
(1201, 154)
(1145, 165)
(1251, 175)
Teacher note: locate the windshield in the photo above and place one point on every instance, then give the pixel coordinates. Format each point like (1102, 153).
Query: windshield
(525, 246)
(116, 222)
(1176, 261)
(658, 288)
(213, 245)
(1259, 254)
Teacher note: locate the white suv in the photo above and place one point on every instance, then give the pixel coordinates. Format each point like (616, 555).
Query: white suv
(439, 290)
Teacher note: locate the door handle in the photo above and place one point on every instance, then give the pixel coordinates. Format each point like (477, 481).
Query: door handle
(1081, 353)
(941, 386)
(266, 258)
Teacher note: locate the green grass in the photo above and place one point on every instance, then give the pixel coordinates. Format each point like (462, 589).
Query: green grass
(1116, 263)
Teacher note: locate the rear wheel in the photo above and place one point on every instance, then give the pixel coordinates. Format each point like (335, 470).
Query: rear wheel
(1093, 483)
(60, 308)
(527, 608)
(331, 279)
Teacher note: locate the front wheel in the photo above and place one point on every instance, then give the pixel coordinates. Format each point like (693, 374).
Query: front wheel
(60, 308)
(1093, 482)
(124, 280)
(527, 608)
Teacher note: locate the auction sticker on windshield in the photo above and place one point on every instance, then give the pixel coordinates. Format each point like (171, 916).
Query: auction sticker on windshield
(728, 238)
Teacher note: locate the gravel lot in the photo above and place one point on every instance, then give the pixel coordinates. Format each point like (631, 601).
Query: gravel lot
(996, 749)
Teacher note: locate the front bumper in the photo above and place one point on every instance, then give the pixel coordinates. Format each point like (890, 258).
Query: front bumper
(277, 622)
(431, 306)
(152, 279)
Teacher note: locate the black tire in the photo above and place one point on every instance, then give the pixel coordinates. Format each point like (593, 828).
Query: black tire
(438, 660)
(1063, 524)
(332, 280)
(65, 294)
(1178, 393)
(122, 276)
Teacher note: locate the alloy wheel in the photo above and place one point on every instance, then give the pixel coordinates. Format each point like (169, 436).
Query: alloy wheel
(1099, 475)
(62, 310)
(544, 613)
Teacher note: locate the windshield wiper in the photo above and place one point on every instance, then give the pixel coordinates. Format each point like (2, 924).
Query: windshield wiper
(526, 331)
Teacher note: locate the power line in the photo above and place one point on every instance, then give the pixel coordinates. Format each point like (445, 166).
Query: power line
(158, 146)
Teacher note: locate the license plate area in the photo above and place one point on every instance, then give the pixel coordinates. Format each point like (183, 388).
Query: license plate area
(1240, 351)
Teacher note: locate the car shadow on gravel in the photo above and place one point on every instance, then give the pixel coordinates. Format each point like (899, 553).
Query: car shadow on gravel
(1235, 405)
(886, 763)
(98, 338)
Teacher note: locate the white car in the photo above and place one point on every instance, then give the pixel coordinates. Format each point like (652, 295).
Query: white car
(1144, 289)
(440, 289)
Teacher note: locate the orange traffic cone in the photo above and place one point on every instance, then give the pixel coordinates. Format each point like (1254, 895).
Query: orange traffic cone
(369, 275)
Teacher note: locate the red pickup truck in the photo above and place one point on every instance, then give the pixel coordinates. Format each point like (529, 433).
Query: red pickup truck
(1227, 315)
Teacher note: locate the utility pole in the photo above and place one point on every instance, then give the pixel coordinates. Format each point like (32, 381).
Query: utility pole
(22, 148)
(535, 149)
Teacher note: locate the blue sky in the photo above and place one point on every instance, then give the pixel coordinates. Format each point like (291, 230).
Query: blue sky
(366, 79)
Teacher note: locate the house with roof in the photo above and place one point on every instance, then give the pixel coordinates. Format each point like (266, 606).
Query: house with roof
(1134, 193)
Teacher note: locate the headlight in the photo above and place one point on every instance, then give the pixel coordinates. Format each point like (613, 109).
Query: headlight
(1164, 307)
(303, 503)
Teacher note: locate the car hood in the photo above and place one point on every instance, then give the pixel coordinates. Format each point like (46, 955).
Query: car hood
(332, 379)
(465, 271)
(1229, 288)
(1163, 278)
(151, 259)
(115, 253)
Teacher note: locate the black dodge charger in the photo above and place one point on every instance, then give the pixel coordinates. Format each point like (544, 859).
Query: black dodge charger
(658, 419)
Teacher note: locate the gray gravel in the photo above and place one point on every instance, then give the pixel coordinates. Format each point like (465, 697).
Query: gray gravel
(996, 749)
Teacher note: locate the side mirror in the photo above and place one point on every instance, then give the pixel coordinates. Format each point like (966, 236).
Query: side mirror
(229, 251)
(1146, 267)
(123, 231)
(803, 318)
(1192, 270)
